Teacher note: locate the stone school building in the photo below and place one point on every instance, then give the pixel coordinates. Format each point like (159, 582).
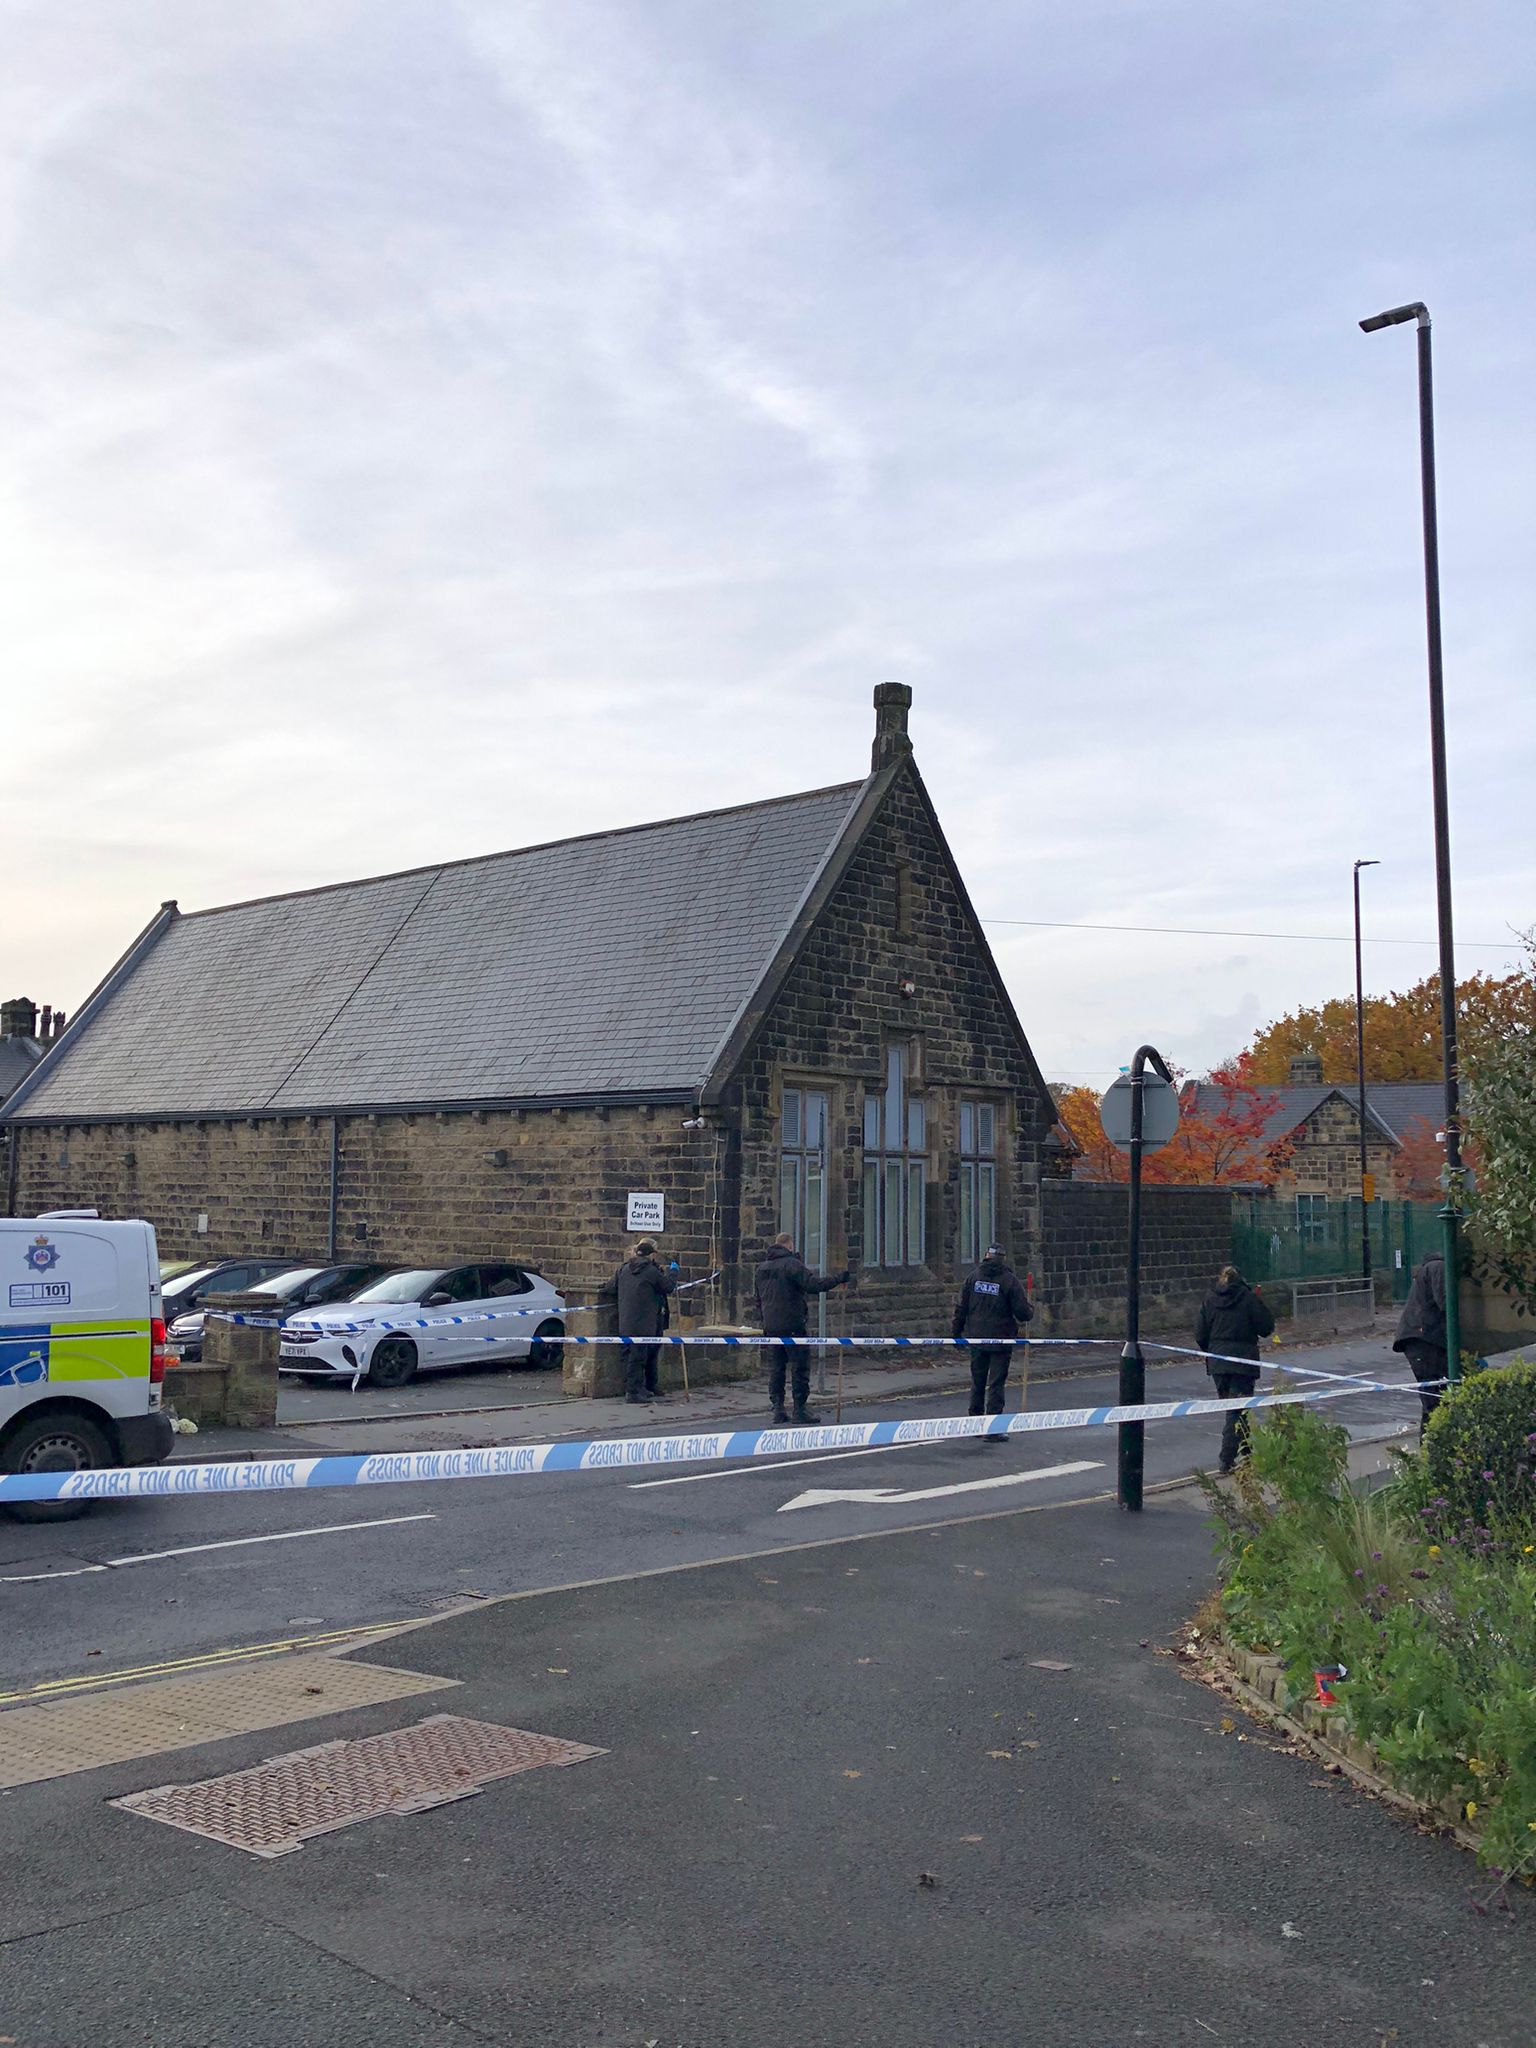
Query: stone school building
(782, 1016)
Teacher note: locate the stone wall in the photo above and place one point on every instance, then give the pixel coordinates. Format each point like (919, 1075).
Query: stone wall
(1326, 1159)
(896, 917)
(411, 1189)
(1186, 1238)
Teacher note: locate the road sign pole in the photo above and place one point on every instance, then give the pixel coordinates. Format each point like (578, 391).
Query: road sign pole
(1133, 1369)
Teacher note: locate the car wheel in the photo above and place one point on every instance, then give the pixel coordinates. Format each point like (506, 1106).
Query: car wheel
(393, 1364)
(546, 1351)
(56, 1443)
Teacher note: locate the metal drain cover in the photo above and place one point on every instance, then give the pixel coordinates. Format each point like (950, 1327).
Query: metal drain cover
(278, 1805)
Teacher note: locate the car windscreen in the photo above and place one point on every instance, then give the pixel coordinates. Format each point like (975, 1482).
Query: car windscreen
(185, 1281)
(281, 1285)
(411, 1286)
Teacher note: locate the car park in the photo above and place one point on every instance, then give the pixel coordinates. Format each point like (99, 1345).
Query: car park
(428, 1318)
(220, 1276)
(301, 1287)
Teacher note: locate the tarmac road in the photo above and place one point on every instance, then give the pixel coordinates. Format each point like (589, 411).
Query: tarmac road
(941, 1789)
(137, 1584)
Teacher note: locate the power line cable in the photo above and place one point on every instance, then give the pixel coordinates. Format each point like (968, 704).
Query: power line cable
(1203, 932)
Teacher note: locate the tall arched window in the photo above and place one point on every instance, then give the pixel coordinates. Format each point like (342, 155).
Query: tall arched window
(895, 1166)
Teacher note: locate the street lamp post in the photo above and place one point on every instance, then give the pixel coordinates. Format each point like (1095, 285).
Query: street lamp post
(1365, 1178)
(1450, 1214)
(1133, 1369)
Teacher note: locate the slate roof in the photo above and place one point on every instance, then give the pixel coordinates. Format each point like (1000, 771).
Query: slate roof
(18, 1056)
(1391, 1105)
(611, 964)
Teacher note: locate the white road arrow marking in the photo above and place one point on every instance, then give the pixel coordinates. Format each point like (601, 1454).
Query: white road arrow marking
(892, 1497)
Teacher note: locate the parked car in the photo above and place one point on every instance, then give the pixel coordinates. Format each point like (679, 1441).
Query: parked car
(219, 1276)
(444, 1305)
(300, 1287)
(172, 1269)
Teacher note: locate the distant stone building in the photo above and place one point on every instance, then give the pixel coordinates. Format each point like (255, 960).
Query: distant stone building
(780, 1016)
(1315, 1125)
(23, 1040)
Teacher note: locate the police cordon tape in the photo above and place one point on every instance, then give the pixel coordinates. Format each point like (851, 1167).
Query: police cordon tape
(508, 1461)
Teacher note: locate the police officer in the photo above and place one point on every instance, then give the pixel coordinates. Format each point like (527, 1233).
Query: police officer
(1232, 1319)
(992, 1305)
(1421, 1334)
(641, 1288)
(784, 1284)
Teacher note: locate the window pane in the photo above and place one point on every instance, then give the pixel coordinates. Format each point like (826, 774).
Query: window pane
(871, 1213)
(792, 1124)
(915, 1215)
(815, 1249)
(895, 1096)
(893, 1232)
(815, 1123)
(986, 1129)
(871, 1123)
(968, 1214)
(789, 1194)
(916, 1126)
(967, 1127)
(986, 1207)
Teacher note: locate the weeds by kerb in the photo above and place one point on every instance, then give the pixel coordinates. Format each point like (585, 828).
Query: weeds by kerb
(1425, 1592)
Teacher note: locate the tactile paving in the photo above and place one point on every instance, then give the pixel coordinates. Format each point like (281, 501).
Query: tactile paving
(63, 1736)
(277, 1806)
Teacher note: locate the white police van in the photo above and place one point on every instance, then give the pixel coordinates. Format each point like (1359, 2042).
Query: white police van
(82, 1350)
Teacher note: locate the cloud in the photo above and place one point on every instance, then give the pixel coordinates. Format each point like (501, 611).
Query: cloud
(428, 429)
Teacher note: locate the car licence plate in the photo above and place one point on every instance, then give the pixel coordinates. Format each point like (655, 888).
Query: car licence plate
(295, 1351)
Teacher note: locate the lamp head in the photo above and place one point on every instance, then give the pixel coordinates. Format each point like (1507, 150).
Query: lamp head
(1397, 315)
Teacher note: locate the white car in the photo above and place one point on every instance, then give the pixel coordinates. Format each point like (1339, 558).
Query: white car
(429, 1317)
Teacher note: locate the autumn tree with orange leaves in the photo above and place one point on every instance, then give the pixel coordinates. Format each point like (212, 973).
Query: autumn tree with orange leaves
(1220, 1144)
(1402, 1030)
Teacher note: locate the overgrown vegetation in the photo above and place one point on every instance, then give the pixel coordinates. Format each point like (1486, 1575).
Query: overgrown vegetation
(1501, 1116)
(1425, 1592)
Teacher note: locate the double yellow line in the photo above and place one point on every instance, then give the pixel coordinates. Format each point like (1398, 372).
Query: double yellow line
(207, 1660)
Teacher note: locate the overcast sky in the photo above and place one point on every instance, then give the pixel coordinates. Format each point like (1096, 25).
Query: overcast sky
(427, 428)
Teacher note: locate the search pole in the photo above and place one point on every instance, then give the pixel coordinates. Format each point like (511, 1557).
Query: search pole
(1133, 1366)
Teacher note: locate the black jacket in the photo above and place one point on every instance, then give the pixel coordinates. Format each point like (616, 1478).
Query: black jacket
(992, 1303)
(1232, 1320)
(783, 1285)
(641, 1288)
(1423, 1318)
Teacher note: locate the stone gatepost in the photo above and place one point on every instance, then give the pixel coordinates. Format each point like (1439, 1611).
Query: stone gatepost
(245, 1357)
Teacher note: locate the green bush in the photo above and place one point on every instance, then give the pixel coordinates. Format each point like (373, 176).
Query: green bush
(1438, 1634)
(1479, 1457)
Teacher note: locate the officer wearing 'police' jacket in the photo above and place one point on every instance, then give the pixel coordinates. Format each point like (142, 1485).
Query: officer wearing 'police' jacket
(992, 1306)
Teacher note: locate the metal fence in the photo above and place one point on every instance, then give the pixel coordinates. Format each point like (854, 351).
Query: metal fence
(1280, 1238)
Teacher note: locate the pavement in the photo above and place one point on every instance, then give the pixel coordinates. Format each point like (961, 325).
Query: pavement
(929, 1785)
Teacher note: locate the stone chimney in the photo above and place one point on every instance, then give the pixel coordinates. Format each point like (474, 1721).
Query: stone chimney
(892, 703)
(18, 1018)
(1306, 1070)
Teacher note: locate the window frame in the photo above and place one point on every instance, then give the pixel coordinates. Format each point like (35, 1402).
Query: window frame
(896, 1131)
(804, 1168)
(980, 1126)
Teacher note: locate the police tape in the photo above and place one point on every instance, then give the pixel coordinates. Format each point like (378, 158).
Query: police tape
(508, 1461)
(1309, 1372)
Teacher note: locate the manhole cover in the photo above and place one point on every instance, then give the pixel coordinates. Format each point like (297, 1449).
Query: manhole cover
(281, 1803)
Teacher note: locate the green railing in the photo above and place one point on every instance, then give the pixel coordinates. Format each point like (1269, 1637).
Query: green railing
(1275, 1239)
